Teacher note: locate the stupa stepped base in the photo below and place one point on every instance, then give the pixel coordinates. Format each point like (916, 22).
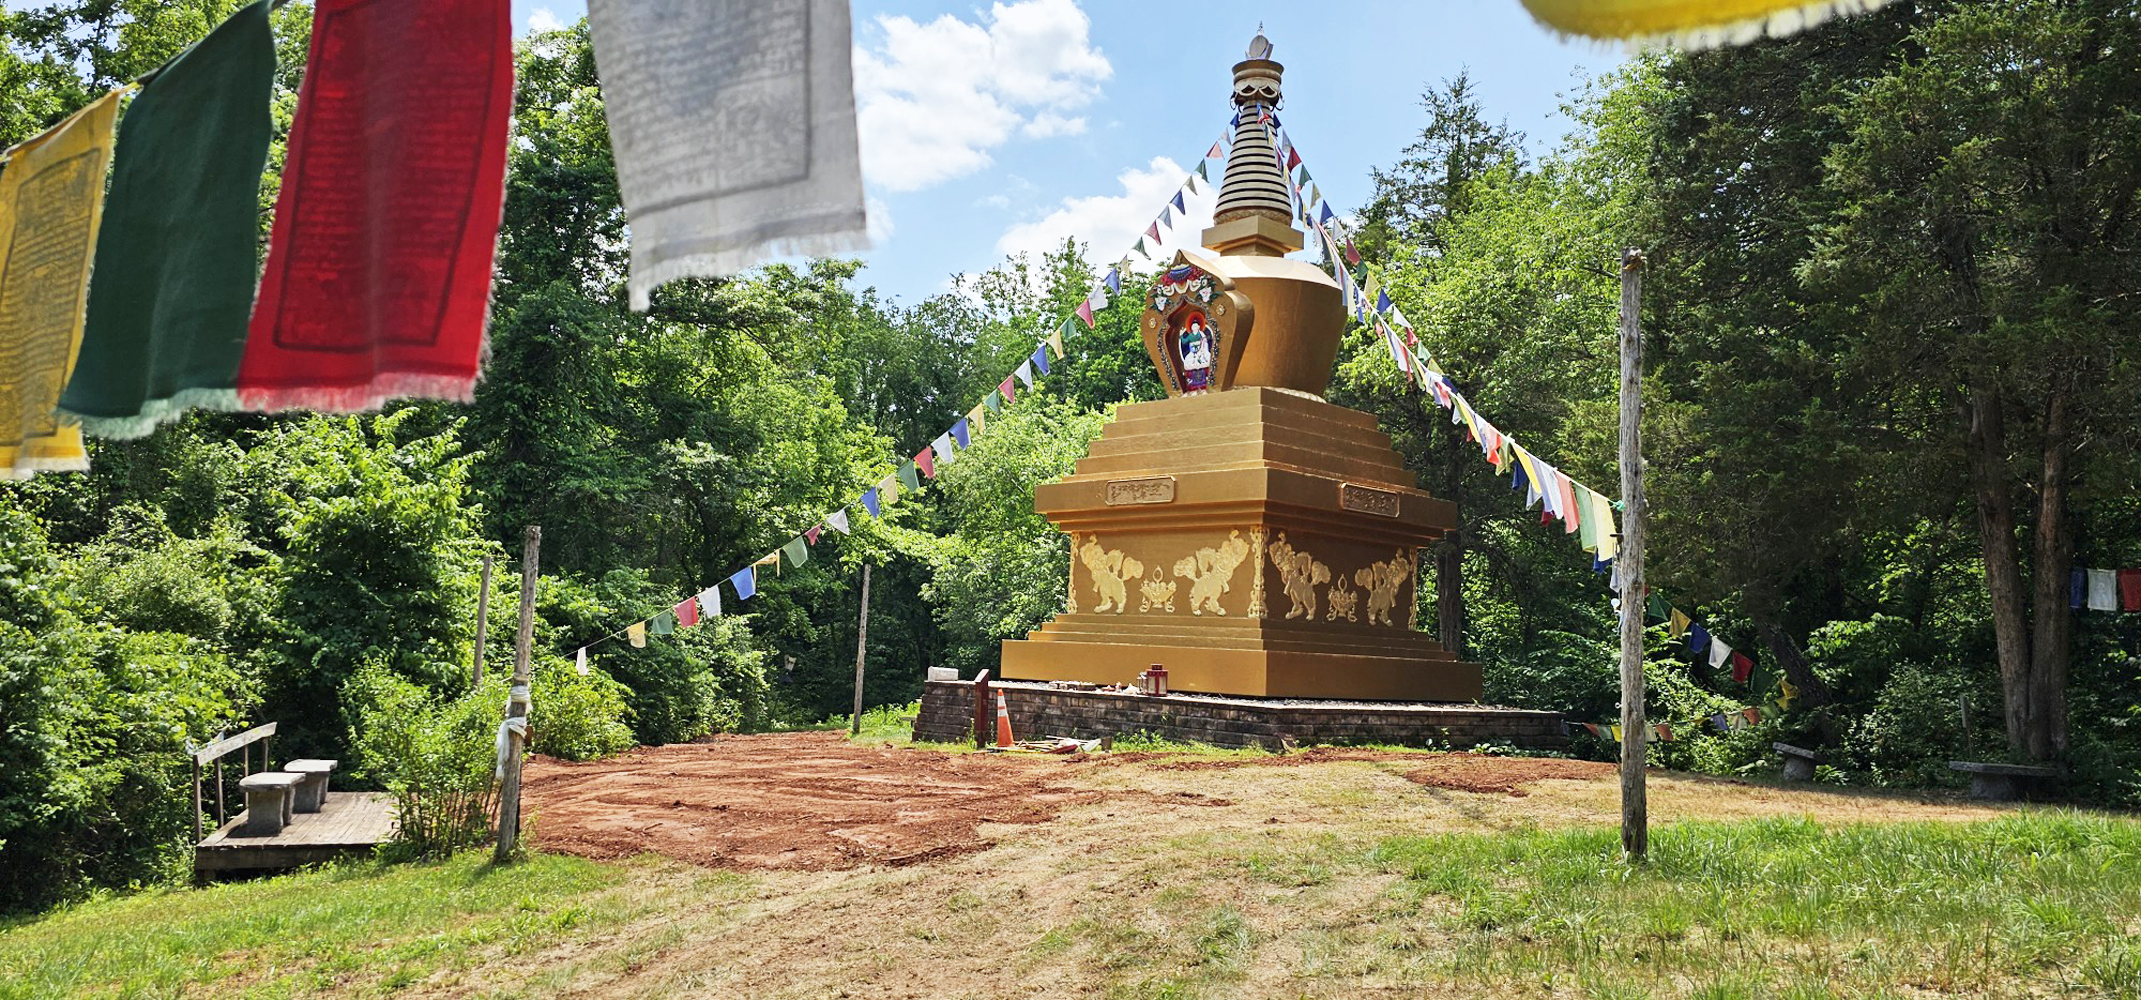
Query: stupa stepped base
(1038, 711)
(1255, 657)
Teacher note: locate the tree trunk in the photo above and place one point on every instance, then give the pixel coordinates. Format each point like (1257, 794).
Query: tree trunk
(1987, 451)
(1813, 691)
(2051, 618)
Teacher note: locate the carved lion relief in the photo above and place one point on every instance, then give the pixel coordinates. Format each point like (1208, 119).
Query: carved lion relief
(1211, 573)
(1384, 582)
(1299, 575)
(1109, 568)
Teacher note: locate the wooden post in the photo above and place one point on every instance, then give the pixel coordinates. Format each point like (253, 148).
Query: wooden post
(483, 620)
(196, 795)
(862, 641)
(983, 717)
(517, 699)
(1635, 733)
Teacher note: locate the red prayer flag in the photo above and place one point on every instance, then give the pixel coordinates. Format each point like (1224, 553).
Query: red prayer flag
(1742, 667)
(2130, 589)
(927, 460)
(687, 613)
(1010, 394)
(1213, 153)
(812, 534)
(1085, 312)
(1152, 232)
(378, 276)
(1753, 715)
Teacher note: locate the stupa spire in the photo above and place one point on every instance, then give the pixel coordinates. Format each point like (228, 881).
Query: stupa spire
(1255, 213)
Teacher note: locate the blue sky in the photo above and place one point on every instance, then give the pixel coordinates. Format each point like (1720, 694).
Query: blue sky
(989, 128)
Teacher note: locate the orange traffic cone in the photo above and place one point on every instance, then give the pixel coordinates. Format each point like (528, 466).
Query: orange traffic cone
(1003, 722)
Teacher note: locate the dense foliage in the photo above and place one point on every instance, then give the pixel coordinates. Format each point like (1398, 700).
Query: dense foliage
(1893, 395)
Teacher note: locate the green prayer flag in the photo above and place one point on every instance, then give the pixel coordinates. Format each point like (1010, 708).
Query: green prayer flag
(1200, 172)
(796, 552)
(1141, 246)
(1304, 175)
(662, 624)
(909, 478)
(177, 255)
(1587, 535)
(1657, 607)
(993, 401)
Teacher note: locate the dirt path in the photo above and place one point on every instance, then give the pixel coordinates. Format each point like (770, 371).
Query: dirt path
(808, 801)
(1103, 875)
(815, 802)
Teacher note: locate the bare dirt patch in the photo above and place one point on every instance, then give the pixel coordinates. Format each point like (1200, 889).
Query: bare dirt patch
(810, 801)
(1471, 772)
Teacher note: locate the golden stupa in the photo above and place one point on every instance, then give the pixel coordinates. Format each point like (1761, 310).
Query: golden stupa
(1244, 533)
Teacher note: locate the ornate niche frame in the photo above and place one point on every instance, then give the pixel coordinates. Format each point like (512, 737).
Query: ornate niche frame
(1187, 294)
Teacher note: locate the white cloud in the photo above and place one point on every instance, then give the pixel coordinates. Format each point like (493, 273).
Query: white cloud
(1109, 224)
(934, 98)
(879, 223)
(1048, 124)
(544, 19)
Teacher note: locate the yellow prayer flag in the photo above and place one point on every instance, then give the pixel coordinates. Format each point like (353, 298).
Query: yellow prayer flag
(977, 419)
(1790, 694)
(1693, 24)
(1055, 342)
(1616, 733)
(636, 634)
(1609, 527)
(888, 489)
(51, 200)
(1680, 623)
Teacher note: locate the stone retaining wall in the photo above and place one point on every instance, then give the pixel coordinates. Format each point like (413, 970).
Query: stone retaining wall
(1038, 711)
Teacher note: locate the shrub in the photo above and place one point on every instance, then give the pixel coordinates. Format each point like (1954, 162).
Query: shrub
(94, 726)
(575, 717)
(436, 757)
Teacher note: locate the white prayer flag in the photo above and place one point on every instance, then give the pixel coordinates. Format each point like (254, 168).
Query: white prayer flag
(579, 661)
(1025, 374)
(710, 601)
(2103, 590)
(946, 454)
(1719, 652)
(733, 125)
(838, 520)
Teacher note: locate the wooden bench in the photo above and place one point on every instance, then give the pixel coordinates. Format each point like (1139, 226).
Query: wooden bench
(1798, 761)
(268, 803)
(311, 792)
(1997, 782)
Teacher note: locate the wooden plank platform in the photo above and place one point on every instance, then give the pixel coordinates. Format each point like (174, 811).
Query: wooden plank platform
(347, 823)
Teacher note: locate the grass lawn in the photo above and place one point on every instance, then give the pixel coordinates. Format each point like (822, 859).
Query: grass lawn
(1338, 879)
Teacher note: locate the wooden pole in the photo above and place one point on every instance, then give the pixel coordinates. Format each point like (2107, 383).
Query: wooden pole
(1635, 733)
(517, 699)
(862, 642)
(483, 620)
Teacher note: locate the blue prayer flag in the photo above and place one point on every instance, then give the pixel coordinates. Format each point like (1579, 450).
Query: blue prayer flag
(746, 582)
(1698, 640)
(1328, 215)
(1178, 202)
(1115, 281)
(1518, 481)
(1382, 301)
(869, 501)
(959, 434)
(1040, 358)
(2077, 583)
